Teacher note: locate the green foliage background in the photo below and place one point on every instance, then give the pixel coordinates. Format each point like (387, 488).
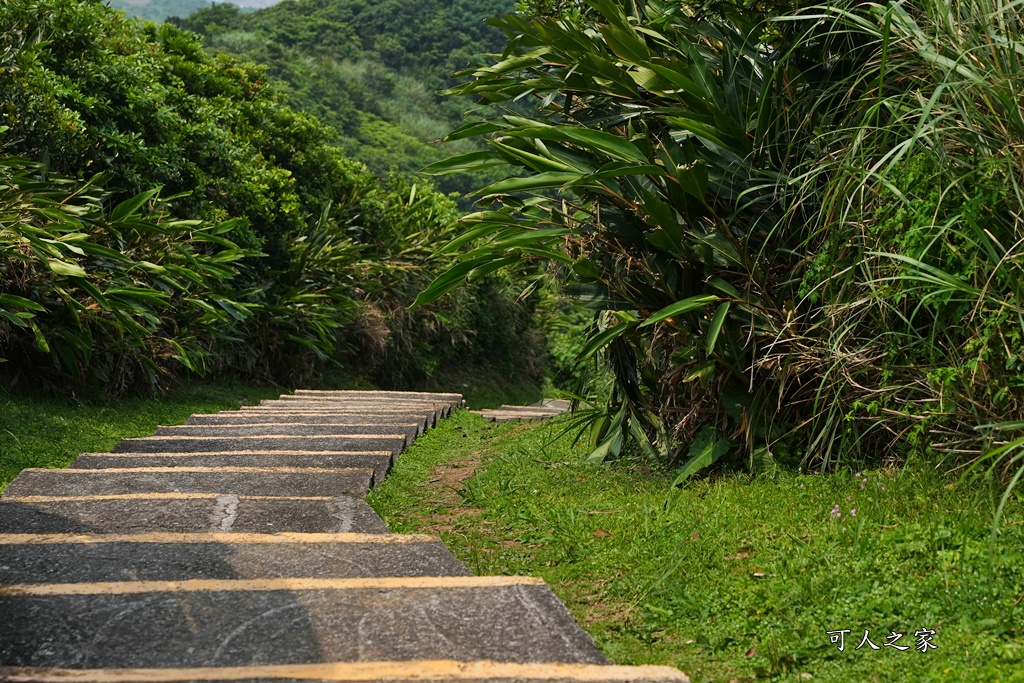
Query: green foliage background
(292, 257)
(369, 69)
(797, 226)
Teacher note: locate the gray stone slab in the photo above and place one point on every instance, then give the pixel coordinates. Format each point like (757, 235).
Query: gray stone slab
(189, 513)
(212, 444)
(441, 396)
(347, 409)
(410, 430)
(518, 623)
(309, 417)
(509, 416)
(380, 463)
(154, 557)
(532, 409)
(440, 410)
(234, 480)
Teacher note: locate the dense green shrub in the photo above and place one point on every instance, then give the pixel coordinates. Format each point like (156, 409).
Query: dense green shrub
(332, 253)
(105, 296)
(798, 228)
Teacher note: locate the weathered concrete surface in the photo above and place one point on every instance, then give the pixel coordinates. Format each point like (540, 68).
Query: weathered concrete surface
(532, 409)
(423, 420)
(440, 411)
(174, 557)
(514, 623)
(538, 411)
(239, 481)
(434, 414)
(440, 396)
(410, 430)
(212, 444)
(139, 513)
(380, 462)
(410, 671)
(503, 416)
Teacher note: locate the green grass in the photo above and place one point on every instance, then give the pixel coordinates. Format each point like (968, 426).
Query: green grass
(38, 432)
(51, 432)
(730, 578)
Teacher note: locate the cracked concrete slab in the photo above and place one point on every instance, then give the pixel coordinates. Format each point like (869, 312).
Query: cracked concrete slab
(184, 513)
(380, 461)
(162, 557)
(393, 444)
(250, 481)
(510, 623)
(297, 428)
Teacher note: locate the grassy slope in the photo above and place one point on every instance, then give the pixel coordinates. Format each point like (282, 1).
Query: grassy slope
(50, 433)
(730, 579)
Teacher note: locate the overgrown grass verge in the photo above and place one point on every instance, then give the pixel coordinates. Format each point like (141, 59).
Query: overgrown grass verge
(731, 578)
(37, 432)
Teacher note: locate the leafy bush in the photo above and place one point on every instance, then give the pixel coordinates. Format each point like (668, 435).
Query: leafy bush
(776, 215)
(331, 252)
(108, 297)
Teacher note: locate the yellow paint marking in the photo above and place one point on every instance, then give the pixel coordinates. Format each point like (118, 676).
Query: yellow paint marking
(357, 672)
(166, 454)
(275, 425)
(239, 538)
(152, 496)
(326, 409)
(226, 468)
(268, 436)
(283, 584)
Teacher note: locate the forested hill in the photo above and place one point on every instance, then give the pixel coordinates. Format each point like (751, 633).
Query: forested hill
(369, 68)
(164, 211)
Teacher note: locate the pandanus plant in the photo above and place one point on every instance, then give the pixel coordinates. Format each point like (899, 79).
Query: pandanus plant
(653, 178)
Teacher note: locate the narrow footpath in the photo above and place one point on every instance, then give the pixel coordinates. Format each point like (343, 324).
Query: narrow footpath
(239, 547)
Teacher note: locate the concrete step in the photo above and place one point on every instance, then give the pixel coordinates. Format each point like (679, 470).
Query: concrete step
(364, 672)
(287, 621)
(503, 416)
(440, 411)
(239, 481)
(393, 444)
(379, 461)
(63, 558)
(531, 409)
(187, 512)
(357, 393)
(423, 420)
(431, 413)
(361, 401)
(351, 399)
(409, 429)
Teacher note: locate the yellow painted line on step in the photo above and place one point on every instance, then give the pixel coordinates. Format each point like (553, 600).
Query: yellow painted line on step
(357, 672)
(167, 454)
(268, 436)
(275, 425)
(327, 410)
(200, 470)
(246, 585)
(234, 538)
(151, 496)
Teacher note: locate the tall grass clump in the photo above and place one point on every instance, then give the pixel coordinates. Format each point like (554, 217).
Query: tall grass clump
(798, 229)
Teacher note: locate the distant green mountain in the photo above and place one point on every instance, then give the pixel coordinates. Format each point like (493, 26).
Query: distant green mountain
(369, 68)
(159, 10)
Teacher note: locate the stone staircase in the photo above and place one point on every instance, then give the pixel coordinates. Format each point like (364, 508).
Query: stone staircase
(238, 547)
(538, 411)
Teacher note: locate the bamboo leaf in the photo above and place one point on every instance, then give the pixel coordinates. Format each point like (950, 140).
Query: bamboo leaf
(680, 307)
